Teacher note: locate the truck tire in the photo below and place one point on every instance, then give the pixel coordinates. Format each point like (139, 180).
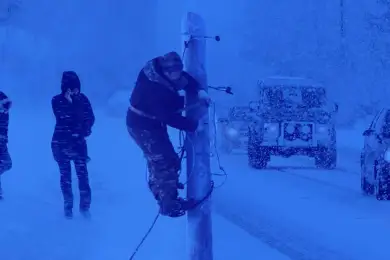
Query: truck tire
(258, 156)
(382, 184)
(326, 158)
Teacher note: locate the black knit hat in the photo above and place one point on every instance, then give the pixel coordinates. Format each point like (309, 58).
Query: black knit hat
(70, 80)
(171, 62)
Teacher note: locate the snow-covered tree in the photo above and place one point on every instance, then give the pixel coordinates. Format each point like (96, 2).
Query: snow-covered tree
(375, 60)
(379, 26)
(8, 8)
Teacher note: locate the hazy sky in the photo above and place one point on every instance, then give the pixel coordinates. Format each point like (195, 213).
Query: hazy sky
(107, 42)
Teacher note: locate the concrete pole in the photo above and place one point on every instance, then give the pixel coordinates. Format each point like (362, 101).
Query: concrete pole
(199, 242)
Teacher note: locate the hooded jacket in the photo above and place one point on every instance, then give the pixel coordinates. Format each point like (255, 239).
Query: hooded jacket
(74, 120)
(5, 105)
(158, 98)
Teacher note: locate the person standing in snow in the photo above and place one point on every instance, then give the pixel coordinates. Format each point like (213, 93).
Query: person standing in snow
(74, 121)
(5, 158)
(155, 103)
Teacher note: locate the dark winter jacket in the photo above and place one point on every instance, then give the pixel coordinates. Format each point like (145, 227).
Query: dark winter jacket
(5, 105)
(74, 120)
(158, 98)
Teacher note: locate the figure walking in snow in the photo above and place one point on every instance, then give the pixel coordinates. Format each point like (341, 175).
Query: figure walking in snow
(74, 121)
(5, 158)
(155, 103)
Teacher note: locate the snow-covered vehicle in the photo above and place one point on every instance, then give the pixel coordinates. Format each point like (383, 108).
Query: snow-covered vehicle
(375, 157)
(233, 129)
(294, 117)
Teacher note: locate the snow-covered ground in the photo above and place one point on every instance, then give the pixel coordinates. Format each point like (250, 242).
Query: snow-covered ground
(307, 213)
(289, 211)
(32, 224)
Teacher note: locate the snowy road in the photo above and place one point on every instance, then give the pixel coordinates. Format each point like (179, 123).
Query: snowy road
(304, 212)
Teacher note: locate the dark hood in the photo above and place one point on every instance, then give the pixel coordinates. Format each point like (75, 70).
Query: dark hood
(154, 68)
(171, 61)
(70, 80)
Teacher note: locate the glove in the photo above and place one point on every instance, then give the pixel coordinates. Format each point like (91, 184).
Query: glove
(204, 97)
(7, 105)
(88, 133)
(3, 141)
(78, 137)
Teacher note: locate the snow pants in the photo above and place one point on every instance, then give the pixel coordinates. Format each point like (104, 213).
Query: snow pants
(64, 153)
(162, 161)
(5, 163)
(5, 159)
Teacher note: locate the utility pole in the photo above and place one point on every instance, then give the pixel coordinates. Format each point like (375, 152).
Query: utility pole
(199, 228)
(342, 30)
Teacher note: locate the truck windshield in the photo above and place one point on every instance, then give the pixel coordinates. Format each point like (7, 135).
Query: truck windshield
(302, 97)
(386, 125)
(239, 113)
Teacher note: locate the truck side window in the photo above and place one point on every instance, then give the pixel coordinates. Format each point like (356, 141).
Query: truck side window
(386, 124)
(375, 120)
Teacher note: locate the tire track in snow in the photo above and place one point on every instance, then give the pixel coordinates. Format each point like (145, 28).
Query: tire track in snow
(344, 195)
(277, 236)
(348, 194)
(290, 171)
(289, 240)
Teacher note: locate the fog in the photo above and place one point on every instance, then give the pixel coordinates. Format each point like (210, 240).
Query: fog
(108, 42)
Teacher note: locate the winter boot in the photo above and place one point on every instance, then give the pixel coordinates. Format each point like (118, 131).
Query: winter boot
(84, 211)
(85, 203)
(68, 209)
(171, 208)
(176, 207)
(68, 212)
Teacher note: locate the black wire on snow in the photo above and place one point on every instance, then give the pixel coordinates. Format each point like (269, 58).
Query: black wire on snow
(145, 237)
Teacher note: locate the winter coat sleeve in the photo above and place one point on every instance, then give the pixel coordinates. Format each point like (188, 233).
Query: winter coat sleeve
(167, 108)
(56, 108)
(178, 121)
(161, 102)
(88, 115)
(65, 124)
(5, 102)
(4, 117)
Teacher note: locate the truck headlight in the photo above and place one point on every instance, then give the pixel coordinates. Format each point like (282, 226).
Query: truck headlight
(290, 128)
(386, 155)
(305, 129)
(271, 127)
(271, 130)
(232, 133)
(322, 129)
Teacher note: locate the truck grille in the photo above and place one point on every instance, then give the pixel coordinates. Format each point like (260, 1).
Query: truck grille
(298, 131)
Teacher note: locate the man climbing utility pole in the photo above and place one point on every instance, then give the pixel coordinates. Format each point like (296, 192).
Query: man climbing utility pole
(199, 183)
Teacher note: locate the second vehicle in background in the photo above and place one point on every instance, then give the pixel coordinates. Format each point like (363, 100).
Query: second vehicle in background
(233, 129)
